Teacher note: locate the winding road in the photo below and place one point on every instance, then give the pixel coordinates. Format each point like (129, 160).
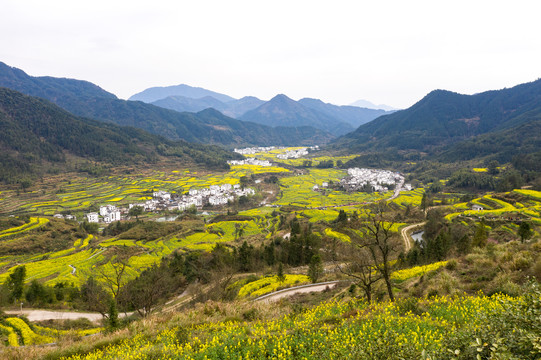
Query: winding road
(405, 234)
(277, 295)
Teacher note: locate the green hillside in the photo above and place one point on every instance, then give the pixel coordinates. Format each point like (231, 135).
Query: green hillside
(36, 135)
(443, 118)
(85, 99)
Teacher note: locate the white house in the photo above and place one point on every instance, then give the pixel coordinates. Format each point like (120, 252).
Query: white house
(324, 184)
(92, 217)
(193, 192)
(106, 209)
(476, 207)
(226, 187)
(112, 216)
(161, 195)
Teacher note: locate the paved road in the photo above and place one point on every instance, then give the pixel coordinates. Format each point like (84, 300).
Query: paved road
(405, 234)
(277, 295)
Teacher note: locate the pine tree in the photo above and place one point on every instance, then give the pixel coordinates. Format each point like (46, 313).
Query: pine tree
(281, 276)
(113, 315)
(315, 269)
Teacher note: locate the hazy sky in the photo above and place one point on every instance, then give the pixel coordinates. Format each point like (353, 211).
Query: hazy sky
(391, 52)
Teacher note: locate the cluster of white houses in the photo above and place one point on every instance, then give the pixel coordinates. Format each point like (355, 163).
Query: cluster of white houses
(250, 161)
(295, 154)
(256, 149)
(378, 180)
(215, 195)
(108, 214)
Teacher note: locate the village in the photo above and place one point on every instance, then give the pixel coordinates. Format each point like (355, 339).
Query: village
(215, 195)
(296, 154)
(250, 161)
(372, 180)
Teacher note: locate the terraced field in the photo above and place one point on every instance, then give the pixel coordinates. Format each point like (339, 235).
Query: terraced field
(18, 332)
(297, 191)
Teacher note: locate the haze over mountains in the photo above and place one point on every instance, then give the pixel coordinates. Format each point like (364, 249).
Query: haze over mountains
(82, 98)
(369, 105)
(444, 125)
(279, 111)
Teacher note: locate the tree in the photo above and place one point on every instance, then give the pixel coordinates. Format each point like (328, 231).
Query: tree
(379, 242)
(315, 269)
(525, 231)
(113, 315)
(480, 236)
(16, 282)
(280, 274)
(342, 217)
(424, 202)
(95, 297)
(493, 167)
(360, 268)
(143, 293)
(135, 211)
(114, 279)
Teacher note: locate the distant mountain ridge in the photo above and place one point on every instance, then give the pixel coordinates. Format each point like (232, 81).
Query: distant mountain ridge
(161, 92)
(369, 105)
(234, 108)
(337, 120)
(76, 97)
(353, 115)
(283, 111)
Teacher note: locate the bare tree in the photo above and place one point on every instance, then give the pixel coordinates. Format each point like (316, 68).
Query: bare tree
(115, 279)
(374, 237)
(358, 266)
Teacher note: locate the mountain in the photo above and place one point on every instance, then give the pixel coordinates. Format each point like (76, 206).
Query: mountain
(283, 111)
(55, 89)
(353, 115)
(443, 118)
(182, 103)
(168, 123)
(36, 135)
(156, 93)
(237, 108)
(369, 105)
(234, 108)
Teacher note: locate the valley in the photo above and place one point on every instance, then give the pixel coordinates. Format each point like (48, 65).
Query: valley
(298, 229)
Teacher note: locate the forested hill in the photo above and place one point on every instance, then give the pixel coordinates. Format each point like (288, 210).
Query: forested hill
(168, 123)
(37, 136)
(443, 117)
(50, 88)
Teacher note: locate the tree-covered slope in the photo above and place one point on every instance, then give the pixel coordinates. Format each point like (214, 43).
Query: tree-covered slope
(53, 89)
(444, 117)
(168, 123)
(35, 134)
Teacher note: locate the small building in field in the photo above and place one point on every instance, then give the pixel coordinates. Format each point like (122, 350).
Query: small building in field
(476, 207)
(92, 217)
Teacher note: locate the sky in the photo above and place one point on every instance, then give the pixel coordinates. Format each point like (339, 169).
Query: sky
(387, 52)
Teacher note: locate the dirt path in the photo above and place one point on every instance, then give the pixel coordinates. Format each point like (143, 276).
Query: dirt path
(405, 234)
(277, 295)
(38, 315)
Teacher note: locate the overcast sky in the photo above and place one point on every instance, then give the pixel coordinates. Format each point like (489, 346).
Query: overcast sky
(391, 52)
